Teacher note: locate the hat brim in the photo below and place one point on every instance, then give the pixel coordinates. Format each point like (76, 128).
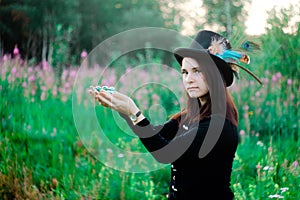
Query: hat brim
(223, 67)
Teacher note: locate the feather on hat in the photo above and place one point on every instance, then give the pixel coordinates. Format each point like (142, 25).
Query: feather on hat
(219, 49)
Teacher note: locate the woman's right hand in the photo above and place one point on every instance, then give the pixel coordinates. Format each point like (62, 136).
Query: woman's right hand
(116, 101)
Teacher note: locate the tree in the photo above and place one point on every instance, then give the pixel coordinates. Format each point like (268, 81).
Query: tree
(226, 14)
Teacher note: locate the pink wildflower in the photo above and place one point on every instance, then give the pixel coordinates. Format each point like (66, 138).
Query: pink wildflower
(14, 70)
(5, 58)
(45, 65)
(274, 78)
(31, 78)
(265, 80)
(43, 96)
(295, 163)
(33, 92)
(289, 81)
(67, 85)
(16, 51)
(83, 54)
(258, 166)
(292, 96)
(267, 72)
(73, 73)
(246, 107)
(242, 133)
(30, 69)
(64, 75)
(278, 75)
(128, 70)
(43, 88)
(24, 84)
(54, 91)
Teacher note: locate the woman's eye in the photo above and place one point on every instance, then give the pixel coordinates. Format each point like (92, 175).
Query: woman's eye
(197, 71)
(183, 72)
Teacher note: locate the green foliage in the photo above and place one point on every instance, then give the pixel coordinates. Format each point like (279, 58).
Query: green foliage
(281, 43)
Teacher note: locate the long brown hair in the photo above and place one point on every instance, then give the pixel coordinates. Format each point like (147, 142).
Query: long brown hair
(195, 111)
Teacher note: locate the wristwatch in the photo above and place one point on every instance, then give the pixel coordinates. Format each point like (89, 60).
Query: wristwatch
(134, 117)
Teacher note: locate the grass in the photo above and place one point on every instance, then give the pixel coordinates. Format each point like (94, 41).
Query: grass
(43, 155)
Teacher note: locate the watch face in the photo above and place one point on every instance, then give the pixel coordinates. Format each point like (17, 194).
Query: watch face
(133, 117)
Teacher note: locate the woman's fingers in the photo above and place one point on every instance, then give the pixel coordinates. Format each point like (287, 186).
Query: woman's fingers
(105, 99)
(115, 100)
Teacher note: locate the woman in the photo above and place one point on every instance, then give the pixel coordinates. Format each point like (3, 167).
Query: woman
(179, 141)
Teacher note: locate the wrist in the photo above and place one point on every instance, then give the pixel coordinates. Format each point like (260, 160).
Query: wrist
(135, 115)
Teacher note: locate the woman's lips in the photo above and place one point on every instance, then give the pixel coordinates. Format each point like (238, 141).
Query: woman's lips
(192, 88)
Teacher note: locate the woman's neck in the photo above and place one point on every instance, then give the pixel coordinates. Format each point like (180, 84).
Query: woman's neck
(203, 99)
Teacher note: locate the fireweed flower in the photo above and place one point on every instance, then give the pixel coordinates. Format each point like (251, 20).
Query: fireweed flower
(43, 96)
(16, 51)
(24, 84)
(45, 65)
(295, 163)
(289, 81)
(83, 54)
(242, 133)
(5, 58)
(278, 75)
(246, 107)
(265, 80)
(30, 69)
(31, 78)
(14, 70)
(73, 73)
(64, 75)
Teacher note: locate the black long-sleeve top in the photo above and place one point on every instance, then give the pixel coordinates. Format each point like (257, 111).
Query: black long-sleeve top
(191, 177)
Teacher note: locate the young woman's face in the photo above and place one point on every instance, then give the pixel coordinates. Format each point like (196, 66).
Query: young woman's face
(193, 79)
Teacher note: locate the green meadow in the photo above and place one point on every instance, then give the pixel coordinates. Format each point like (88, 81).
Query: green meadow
(44, 157)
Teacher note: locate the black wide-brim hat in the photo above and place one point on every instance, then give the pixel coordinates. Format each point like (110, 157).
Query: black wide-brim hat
(218, 48)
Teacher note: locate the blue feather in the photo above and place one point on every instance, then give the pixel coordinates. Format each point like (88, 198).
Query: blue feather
(229, 55)
(234, 56)
(250, 46)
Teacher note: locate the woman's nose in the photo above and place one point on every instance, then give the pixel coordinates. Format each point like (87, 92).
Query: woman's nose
(190, 77)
